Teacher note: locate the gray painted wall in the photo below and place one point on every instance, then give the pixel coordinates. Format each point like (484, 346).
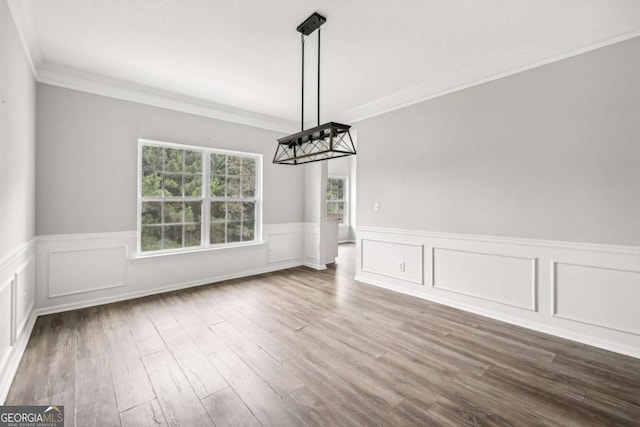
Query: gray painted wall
(17, 139)
(87, 160)
(551, 153)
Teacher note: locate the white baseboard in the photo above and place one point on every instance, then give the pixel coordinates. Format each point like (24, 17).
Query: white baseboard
(562, 333)
(318, 267)
(11, 364)
(552, 287)
(147, 292)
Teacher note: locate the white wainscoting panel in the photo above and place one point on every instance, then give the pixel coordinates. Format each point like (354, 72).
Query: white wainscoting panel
(284, 247)
(320, 244)
(344, 233)
(25, 294)
(312, 242)
(312, 246)
(285, 242)
(16, 311)
(580, 291)
(328, 241)
(6, 320)
(82, 270)
(398, 260)
(77, 271)
(600, 296)
(503, 279)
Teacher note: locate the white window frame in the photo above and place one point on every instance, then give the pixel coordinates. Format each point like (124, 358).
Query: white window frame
(345, 200)
(205, 198)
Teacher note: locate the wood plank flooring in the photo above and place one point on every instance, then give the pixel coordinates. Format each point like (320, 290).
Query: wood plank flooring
(301, 347)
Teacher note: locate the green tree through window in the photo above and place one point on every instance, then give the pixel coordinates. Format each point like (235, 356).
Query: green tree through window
(232, 190)
(336, 198)
(177, 212)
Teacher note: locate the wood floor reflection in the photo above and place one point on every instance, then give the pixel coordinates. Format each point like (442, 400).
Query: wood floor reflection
(301, 347)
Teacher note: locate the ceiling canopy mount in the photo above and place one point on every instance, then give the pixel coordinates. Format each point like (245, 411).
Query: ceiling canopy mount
(311, 24)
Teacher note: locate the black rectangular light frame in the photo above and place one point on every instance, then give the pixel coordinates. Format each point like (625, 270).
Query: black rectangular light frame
(297, 141)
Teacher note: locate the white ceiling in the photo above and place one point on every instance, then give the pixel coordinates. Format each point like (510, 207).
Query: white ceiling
(240, 60)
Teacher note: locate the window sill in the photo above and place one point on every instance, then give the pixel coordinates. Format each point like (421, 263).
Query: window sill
(137, 258)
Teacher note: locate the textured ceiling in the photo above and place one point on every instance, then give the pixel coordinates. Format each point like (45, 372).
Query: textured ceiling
(243, 56)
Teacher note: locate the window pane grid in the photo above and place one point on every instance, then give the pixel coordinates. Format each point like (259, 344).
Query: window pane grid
(336, 199)
(176, 208)
(233, 199)
(171, 224)
(232, 222)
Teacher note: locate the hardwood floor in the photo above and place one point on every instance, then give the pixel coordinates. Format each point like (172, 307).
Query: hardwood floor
(301, 347)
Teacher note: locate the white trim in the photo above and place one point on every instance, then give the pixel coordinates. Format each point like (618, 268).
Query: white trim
(624, 28)
(534, 276)
(295, 230)
(132, 295)
(22, 326)
(27, 33)
(314, 226)
(159, 255)
(284, 227)
(73, 79)
(7, 283)
(554, 296)
(271, 259)
(14, 311)
(205, 198)
(16, 253)
(9, 366)
(119, 235)
(426, 92)
(11, 266)
(539, 257)
(115, 235)
(85, 290)
(318, 267)
(536, 284)
(393, 276)
(563, 333)
(576, 246)
(553, 293)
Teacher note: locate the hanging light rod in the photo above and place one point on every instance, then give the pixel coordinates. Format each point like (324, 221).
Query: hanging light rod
(323, 142)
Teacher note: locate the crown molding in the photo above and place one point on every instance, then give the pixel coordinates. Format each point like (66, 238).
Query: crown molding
(525, 60)
(87, 82)
(27, 33)
(100, 85)
(626, 28)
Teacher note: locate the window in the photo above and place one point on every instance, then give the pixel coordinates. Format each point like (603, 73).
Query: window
(337, 199)
(232, 190)
(178, 212)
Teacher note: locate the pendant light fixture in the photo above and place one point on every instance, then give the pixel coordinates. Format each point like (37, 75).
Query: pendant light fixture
(323, 142)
